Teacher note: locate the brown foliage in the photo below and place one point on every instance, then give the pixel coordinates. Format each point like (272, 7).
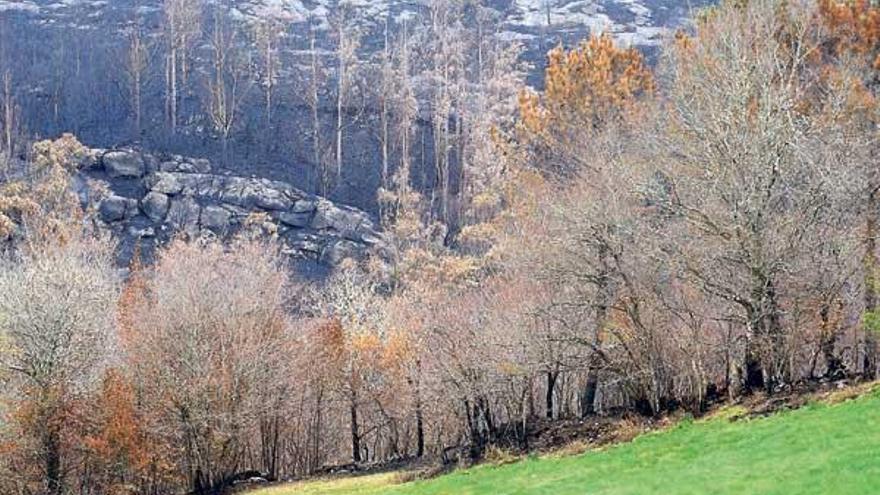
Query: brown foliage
(589, 85)
(854, 26)
(42, 203)
(123, 457)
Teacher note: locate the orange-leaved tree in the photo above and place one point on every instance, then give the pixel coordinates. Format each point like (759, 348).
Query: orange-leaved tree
(585, 88)
(121, 455)
(854, 26)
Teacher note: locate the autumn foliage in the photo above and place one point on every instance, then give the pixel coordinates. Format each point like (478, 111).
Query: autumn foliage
(854, 26)
(588, 85)
(640, 244)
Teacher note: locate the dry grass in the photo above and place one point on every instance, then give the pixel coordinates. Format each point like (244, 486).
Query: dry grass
(497, 456)
(365, 485)
(576, 447)
(849, 393)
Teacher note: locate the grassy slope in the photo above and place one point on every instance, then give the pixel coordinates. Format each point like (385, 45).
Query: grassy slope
(819, 449)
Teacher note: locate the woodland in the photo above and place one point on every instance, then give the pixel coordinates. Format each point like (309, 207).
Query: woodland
(633, 236)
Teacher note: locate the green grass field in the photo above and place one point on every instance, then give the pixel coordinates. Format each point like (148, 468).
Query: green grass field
(818, 449)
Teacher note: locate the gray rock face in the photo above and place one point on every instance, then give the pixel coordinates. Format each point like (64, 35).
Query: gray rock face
(158, 197)
(155, 206)
(201, 165)
(328, 215)
(127, 164)
(294, 219)
(164, 183)
(304, 206)
(112, 209)
(183, 215)
(339, 250)
(215, 219)
(272, 199)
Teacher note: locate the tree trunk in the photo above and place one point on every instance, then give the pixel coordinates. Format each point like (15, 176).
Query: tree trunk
(355, 434)
(137, 106)
(316, 122)
(870, 267)
(340, 95)
(8, 113)
(270, 79)
(752, 371)
(551, 385)
(834, 367)
(768, 335)
(171, 97)
(588, 395)
(52, 457)
(420, 426)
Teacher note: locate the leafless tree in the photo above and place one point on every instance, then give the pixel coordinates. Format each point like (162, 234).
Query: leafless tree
(229, 80)
(267, 36)
(137, 70)
(347, 44)
(58, 332)
(212, 361)
(182, 26)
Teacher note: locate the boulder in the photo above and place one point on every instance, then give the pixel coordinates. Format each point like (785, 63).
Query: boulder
(329, 215)
(371, 238)
(304, 206)
(271, 199)
(164, 183)
(337, 251)
(123, 164)
(236, 191)
(139, 233)
(155, 206)
(183, 214)
(113, 208)
(181, 195)
(90, 160)
(294, 219)
(308, 244)
(131, 208)
(201, 165)
(151, 164)
(215, 218)
(186, 167)
(168, 166)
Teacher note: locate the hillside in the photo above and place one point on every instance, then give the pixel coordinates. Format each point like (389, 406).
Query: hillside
(83, 83)
(267, 252)
(821, 448)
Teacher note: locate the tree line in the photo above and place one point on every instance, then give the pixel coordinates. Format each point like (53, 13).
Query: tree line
(630, 238)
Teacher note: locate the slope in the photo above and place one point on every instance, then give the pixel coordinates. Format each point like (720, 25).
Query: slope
(818, 449)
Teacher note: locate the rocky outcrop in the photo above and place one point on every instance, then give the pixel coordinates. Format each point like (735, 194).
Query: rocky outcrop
(147, 200)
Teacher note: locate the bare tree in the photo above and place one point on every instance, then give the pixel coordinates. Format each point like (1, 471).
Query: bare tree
(267, 33)
(11, 114)
(229, 80)
(386, 88)
(58, 333)
(316, 82)
(748, 174)
(137, 70)
(212, 361)
(182, 26)
(347, 44)
(350, 299)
